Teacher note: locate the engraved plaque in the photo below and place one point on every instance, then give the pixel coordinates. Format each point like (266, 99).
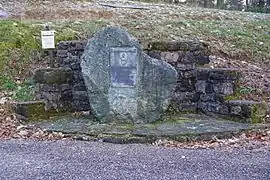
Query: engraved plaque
(123, 66)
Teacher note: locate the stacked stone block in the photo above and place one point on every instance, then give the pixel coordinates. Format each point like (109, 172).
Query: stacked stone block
(68, 56)
(213, 86)
(184, 56)
(54, 86)
(204, 89)
(247, 111)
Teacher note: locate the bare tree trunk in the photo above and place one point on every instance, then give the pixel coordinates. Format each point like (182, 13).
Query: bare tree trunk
(261, 3)
(205, 3)
(247, 5)
(220, 3)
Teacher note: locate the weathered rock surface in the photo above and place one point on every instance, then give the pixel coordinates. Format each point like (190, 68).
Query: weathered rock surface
(55, 86)
(135, 90)
(249, 111)
(30, 110)
(53, 75)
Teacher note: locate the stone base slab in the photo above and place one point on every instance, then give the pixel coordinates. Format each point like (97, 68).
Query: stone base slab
(187, 127)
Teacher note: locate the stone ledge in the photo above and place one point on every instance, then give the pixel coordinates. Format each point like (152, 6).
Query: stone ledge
(250, 111)
(30, 110)
(75, 45)
(188, 127)
(178, 46)
(213, 107)
(180, 57)
(57, 88)
(53, 75)
(220, 74)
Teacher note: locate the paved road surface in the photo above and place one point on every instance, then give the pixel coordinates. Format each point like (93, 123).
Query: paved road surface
(21, 159)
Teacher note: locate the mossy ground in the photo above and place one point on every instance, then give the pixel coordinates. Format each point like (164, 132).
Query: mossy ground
(191, 127)
(258, 113)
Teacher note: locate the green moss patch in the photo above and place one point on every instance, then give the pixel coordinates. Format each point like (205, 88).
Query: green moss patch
(258, 112)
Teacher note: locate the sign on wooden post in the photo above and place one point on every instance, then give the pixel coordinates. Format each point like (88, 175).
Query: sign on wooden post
(47, 40)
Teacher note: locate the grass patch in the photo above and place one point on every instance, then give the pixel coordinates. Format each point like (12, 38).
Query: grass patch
(17, 41)
(18, 91)
(232, 38)
(236, 40)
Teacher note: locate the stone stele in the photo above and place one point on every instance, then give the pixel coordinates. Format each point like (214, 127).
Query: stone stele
(124, 84)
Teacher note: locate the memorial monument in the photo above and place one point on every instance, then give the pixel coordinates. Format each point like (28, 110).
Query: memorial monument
(123, 83)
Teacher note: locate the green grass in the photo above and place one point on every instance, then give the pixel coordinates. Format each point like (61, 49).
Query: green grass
(19, 91)
(234, 38)
(7, 84)
(17, 41)
(237, 40)
(249, 40)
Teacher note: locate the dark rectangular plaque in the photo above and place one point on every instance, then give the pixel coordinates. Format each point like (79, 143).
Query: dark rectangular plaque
(123, 66)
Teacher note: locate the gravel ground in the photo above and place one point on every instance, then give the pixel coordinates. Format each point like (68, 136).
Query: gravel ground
(21, 159)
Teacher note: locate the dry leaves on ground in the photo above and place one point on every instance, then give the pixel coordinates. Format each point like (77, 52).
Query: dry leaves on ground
(256, 141)
(10, 127)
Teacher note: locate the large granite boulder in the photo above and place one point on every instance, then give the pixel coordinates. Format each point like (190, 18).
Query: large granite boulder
(123, 83)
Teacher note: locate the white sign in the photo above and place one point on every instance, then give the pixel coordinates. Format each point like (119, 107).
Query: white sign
(47, 39)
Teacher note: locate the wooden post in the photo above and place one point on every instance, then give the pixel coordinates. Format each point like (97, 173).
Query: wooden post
(50, 51)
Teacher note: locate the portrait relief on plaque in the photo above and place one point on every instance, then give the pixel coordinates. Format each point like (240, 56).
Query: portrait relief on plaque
(123, 67)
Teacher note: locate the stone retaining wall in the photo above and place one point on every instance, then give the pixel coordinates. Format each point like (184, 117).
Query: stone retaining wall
(68, 56)
(198, 89)
(185, 57)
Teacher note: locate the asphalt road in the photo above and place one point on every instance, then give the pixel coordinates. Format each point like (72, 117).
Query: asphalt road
(21, 159)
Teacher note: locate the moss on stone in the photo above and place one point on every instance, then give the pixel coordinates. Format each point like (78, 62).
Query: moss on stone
(234, 96)
(148, 126)
(172, 119)
(53, 75)
(233, 118)
(47, 115)
(157, 46)
(173, 111)
(177, 46)
(124, 139)
(36, 111)
(258, 113)
(124, 126)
